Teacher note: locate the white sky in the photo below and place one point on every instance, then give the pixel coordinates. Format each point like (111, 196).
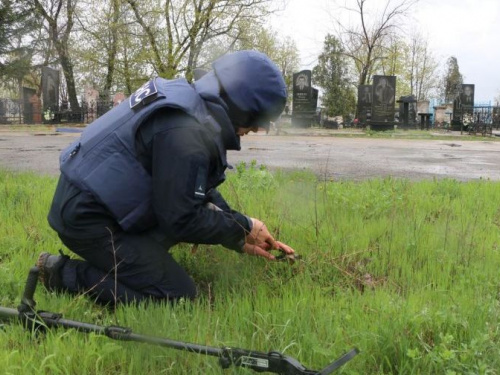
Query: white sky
(466, 29)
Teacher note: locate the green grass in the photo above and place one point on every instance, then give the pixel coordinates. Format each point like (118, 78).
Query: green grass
(408, 272)
(287, 129)
(435, 134)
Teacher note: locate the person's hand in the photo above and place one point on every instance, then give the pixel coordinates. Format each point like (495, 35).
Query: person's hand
(259, 242)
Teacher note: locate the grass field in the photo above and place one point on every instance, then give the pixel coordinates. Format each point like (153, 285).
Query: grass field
(408, 272)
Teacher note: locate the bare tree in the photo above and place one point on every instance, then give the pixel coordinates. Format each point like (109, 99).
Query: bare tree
(100, 32)
(421, 67)
(366, 41)
(283, 51)
(113, 43)
(59, 18)
(176, 31)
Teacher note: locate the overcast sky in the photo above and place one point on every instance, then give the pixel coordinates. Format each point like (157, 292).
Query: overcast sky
(466, 29)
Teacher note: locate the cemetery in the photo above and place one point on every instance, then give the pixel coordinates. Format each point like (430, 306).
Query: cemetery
(50, 109)
(377, 107)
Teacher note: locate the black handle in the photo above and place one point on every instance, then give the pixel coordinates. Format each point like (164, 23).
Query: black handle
(27, 302)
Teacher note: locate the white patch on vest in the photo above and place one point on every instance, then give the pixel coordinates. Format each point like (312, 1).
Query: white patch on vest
(143, 92)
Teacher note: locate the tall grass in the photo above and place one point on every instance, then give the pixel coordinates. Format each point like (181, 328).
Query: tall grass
(406, 271)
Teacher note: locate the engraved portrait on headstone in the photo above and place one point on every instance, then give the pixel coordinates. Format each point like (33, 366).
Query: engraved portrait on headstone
(302, 91)
(467, 95)
(384, 91)
(302, 82)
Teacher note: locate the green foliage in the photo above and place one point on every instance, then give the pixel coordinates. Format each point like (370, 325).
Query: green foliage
(332, 74)
(15, 52)
(452, 79)
(253, 178)
(283, 51)
(406, 271)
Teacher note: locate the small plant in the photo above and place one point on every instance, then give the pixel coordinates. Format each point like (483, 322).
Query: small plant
(254, 177)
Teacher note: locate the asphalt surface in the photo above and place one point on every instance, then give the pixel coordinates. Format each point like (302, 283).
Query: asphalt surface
(330, 157)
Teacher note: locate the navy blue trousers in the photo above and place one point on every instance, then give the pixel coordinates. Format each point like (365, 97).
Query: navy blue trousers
(124, 268)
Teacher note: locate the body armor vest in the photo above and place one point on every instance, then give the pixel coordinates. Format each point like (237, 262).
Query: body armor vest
(103, 161)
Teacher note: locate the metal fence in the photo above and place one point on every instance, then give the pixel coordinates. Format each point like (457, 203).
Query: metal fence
(14, 111)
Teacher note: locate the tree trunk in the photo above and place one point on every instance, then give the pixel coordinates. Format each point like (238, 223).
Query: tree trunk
(111, 58)
(67, 67)
(61, 45)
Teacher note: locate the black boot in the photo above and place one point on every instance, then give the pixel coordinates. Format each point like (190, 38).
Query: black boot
(50, 270)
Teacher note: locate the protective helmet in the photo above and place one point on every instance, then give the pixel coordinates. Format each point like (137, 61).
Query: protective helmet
(252, 86)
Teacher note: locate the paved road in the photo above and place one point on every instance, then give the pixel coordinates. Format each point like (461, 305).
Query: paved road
(333, 157)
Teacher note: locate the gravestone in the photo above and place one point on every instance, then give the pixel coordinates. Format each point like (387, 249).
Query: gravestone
(10, 111)
(467, 103)
(467, 96)
(407, 111)
(305, 99)
(302, 91)
(28, 110)
(384, 100)
(50, 92)
(36, 105)
(314, 99)
(495, 117)
(3, 112)
(463, 107)
(365, 99)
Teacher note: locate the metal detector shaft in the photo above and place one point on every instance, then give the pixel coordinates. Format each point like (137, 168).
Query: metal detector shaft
(7, 313)
(273, 362)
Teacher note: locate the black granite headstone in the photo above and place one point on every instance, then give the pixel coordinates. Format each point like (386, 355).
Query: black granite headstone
(407, 111)
(305, 100)
(50, 88)
(27, 105)
(496, 117)
(302, 91)
(3, 112)
(314, 99)
(467, 96)
(384, 96)
(463, 106)
(365, 99)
